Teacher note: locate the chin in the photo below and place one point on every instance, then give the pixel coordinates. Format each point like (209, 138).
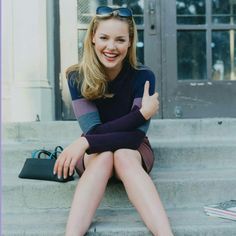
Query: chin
(111, 65)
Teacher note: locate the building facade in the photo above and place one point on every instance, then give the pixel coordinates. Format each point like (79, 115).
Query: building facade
(189, 44)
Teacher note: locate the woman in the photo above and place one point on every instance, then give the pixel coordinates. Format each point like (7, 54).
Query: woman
(113, 99)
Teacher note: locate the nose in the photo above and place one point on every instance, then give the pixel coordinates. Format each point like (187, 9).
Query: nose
(111, 45)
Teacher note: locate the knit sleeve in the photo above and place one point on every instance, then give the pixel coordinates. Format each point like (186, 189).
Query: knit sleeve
(85, 111)
(114, 141)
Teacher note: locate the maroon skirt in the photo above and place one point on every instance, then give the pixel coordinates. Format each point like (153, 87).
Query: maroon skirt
(147, 155)
(145, 151)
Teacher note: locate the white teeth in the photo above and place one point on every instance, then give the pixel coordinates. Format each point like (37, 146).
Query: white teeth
(110, 55)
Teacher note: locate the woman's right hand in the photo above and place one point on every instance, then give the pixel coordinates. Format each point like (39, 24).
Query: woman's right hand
(69, 157)
(150, 104)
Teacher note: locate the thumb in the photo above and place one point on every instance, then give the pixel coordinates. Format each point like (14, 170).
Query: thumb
(146, 89)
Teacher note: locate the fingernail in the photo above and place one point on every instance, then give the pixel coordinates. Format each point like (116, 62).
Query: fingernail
(59, 177)
(54, 172)
(70, 173)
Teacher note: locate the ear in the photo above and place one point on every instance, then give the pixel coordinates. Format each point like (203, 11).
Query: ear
(93, 40)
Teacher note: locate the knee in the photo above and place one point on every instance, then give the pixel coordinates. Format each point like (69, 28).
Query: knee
(104, 161)
(122, 161)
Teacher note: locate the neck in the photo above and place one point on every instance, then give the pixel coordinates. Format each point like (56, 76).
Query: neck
(112, 73)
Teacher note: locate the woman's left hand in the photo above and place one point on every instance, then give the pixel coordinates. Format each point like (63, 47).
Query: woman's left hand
(69, 157)
(150, 103)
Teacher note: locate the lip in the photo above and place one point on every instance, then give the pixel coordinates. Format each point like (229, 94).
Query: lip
(110, 56)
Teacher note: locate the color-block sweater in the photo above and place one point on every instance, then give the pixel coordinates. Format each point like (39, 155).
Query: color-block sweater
(113, 123)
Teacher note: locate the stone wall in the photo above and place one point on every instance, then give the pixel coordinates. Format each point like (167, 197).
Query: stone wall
(27, 80)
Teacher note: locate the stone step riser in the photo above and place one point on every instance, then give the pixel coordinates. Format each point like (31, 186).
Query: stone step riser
(190, 128)
(192, 157)
(49, 131)
(165, 157)
(198, 231)
(180, 193)
(163, 129)
(184, 222)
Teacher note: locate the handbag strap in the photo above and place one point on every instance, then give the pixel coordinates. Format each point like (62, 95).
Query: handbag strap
(51, 155)
(58, 149)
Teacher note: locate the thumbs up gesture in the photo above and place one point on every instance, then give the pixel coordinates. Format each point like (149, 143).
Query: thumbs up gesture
(150, 104)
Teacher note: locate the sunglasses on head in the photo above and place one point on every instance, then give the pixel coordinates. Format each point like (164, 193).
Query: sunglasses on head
(108, 11)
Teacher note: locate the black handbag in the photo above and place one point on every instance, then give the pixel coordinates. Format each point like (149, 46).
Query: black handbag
(42, 168)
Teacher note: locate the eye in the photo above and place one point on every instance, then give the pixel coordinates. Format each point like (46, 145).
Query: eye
(121, 40)
(103, 37)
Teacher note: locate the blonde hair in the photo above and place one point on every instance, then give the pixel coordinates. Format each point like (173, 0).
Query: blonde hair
(92, 76)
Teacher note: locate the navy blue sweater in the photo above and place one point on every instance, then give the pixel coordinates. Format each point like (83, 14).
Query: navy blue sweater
(113, 123)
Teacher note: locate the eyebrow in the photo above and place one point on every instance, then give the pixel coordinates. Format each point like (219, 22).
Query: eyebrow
(119, 36)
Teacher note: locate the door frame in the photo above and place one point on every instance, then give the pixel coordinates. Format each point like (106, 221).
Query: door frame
(154, 48)
(68, 51)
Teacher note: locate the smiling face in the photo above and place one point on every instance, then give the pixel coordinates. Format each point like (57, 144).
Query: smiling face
(111, 43)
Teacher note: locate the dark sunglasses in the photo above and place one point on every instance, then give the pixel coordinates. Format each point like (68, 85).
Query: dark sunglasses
(108, 11)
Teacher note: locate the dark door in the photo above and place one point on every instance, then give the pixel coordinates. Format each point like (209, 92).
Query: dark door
(199, 58)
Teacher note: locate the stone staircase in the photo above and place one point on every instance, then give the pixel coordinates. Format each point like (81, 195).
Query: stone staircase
(195, 165)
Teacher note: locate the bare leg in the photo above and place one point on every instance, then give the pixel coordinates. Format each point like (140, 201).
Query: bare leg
(141, 191)
(89, 192)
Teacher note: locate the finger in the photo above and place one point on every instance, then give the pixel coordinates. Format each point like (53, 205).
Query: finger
(72, 166)
(60, 166)
(146, 89)
(66, 167)
(155, 95)
(55, 167)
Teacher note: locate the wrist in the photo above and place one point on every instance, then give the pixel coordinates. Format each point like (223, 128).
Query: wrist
(145, 114)
(83, 142)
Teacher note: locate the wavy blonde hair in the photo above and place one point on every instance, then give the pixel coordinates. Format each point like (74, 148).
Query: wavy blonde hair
(92, 76)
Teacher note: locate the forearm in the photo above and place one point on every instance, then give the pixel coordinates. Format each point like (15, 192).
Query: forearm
(113, 141)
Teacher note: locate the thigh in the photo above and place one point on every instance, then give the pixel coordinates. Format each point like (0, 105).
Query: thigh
(84, 162)
(89, 158)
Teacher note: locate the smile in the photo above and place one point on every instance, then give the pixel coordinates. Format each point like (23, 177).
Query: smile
(110, 55)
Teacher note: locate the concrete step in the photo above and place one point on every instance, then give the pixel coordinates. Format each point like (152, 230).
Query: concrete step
(177, 188)
(178, 154)
(189, 128)
(110, 222)
(195, 154)
(161, 129)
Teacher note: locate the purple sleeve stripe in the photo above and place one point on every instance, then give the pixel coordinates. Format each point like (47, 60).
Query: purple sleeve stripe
(82, 107)
(137, 102)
